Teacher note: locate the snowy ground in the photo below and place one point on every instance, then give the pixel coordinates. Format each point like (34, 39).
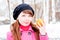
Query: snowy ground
(3, 31)
(53, 30)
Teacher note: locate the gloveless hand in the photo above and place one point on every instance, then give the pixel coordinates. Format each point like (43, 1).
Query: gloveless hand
(40, 25)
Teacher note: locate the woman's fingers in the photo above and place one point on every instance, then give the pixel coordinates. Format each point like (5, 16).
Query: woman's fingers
(40, 22)
(37, 25)
(40, 25)
(42, 31)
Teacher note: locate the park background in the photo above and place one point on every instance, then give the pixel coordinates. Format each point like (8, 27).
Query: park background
(48, 10)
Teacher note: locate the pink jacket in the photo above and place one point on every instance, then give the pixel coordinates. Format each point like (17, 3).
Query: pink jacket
(27, 35)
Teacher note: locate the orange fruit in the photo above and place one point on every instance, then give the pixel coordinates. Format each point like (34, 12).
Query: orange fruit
(39, 22)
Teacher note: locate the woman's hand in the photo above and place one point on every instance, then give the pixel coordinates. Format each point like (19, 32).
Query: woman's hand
(40, 25)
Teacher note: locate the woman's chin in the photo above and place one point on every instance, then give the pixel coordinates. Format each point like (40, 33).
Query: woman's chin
(26, 25)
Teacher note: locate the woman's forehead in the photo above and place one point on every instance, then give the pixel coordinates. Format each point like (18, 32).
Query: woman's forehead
(24, 13)
(27, 12)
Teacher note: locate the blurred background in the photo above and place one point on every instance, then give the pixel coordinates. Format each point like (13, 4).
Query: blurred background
(48, 10)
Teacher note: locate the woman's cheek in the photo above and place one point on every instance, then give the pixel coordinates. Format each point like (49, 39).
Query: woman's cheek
(31, 19)
(20, 19)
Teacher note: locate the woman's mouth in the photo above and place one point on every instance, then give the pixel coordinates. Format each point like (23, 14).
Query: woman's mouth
(26, 22)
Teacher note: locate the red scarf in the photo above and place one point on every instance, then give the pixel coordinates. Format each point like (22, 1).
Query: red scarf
(25, 28)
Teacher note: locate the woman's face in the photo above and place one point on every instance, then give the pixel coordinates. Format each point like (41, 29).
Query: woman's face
(25, 18)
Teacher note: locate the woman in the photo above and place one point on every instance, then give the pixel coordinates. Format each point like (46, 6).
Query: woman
(23, 28)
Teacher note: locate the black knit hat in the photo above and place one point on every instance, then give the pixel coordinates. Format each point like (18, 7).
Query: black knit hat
(20, 8)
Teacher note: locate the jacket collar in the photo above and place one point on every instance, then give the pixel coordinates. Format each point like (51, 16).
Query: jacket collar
(30, 29)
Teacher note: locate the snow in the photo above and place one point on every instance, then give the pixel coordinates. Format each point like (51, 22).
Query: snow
(3, 30)
(53, 30)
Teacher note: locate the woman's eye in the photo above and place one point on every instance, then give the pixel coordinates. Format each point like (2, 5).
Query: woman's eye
(29, 16)
(23, 15)
(26, 16)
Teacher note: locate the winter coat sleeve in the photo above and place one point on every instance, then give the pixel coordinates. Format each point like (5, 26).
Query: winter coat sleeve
(43, 37)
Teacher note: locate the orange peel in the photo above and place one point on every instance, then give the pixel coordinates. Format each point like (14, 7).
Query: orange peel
(39, 22)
